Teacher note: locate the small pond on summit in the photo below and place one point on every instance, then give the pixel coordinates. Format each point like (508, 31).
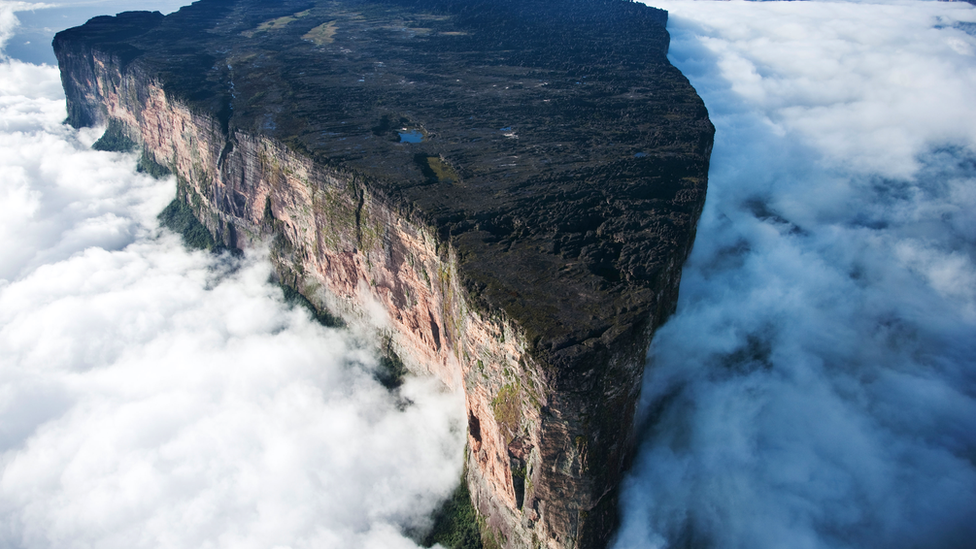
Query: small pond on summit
(411, 136)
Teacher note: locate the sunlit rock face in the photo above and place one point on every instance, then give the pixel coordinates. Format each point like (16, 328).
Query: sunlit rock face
(505, 190)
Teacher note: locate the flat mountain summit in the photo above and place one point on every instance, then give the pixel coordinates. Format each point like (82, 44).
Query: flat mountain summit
(551, 142)
(505, 190)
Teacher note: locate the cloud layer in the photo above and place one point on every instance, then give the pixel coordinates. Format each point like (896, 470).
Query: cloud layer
(817, 387)
(155, 397)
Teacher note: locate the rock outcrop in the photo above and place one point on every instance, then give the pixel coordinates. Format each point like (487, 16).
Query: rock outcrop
(507, 189)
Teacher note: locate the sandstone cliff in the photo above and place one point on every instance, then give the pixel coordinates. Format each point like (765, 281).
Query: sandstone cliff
(506, 189)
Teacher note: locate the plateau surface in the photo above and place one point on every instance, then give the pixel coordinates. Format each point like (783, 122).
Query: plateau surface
(505, 190)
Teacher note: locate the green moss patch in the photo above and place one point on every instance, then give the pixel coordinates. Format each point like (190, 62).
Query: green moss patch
(115, 138)
(435, 168)
(508, 411)
(456, 522)
(148, 165)
(178, 217)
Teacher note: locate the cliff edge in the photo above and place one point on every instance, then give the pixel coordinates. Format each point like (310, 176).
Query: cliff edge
(506, 190)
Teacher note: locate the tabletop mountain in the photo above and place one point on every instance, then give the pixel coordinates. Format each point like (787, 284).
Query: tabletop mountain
(506, 190)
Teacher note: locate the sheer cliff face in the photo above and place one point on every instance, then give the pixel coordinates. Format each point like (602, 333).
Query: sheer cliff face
(526, 265)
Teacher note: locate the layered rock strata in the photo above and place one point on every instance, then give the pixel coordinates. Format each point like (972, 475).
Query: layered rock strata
(507, 190)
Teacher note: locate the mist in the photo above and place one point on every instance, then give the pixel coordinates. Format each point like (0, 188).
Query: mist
(152, 396)
(817, 386)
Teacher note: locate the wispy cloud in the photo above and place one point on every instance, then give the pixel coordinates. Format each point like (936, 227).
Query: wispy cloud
(817, 387)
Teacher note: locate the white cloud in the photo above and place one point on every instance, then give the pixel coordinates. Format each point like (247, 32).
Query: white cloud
(153, 397)
(867, 84)
(816, 387)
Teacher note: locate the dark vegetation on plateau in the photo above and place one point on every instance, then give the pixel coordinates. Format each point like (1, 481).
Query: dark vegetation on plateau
(563, 157)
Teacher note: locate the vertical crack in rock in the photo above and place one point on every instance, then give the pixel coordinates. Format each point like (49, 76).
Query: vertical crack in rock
(506, 189)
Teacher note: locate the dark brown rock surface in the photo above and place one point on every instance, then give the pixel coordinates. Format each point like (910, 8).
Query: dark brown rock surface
(530, 170)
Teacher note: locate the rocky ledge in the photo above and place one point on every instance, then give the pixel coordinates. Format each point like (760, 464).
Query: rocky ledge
(506, 190)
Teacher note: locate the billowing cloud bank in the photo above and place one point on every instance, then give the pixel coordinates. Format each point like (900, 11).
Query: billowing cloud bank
(817, 387)
(153, 397)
